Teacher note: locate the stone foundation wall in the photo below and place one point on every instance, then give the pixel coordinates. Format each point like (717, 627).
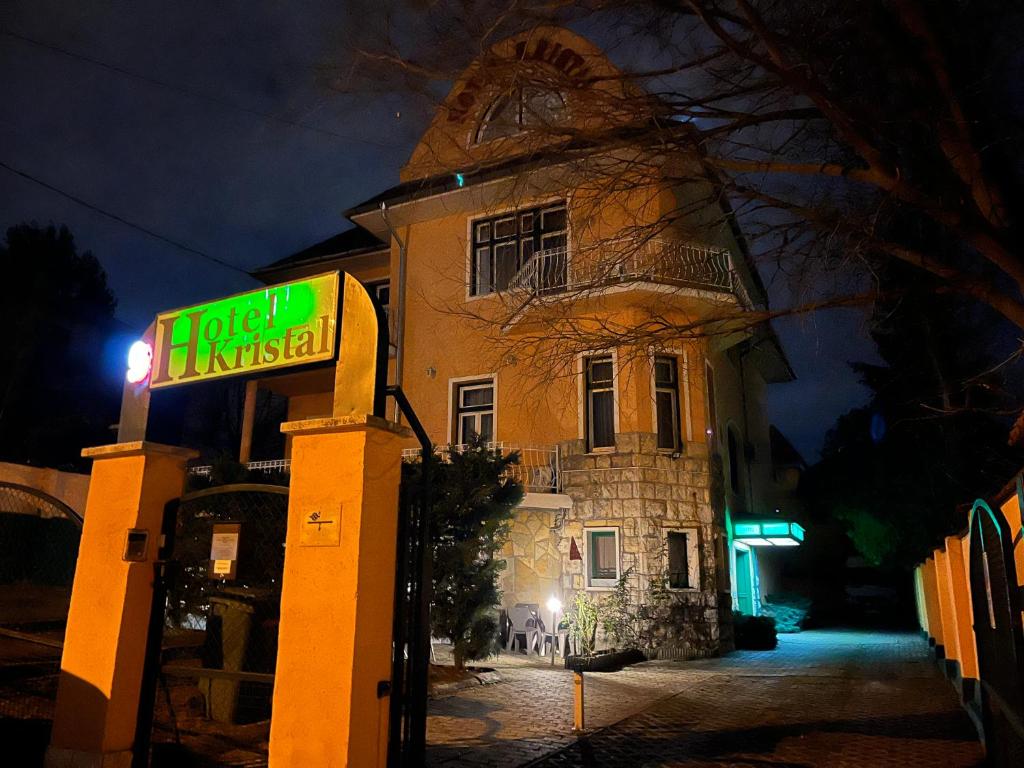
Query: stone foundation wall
(644, 494)
(532, 560)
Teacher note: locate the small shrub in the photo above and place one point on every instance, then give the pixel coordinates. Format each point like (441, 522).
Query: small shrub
(788, 610)
(754, 633)
(582, 618)
(630, 617)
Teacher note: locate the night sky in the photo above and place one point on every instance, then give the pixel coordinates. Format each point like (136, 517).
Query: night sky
(210, 125)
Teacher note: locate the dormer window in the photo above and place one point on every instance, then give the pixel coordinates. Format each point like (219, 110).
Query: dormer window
(520, 110)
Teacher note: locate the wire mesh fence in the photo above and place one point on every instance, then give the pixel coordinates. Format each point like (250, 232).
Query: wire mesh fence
(39, 538)
(219, 644)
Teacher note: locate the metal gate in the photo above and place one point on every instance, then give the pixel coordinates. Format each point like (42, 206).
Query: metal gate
(413, 593)
(996, 600)
(213, 640)
(39, 538)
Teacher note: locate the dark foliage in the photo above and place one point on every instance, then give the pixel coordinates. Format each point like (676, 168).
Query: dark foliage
(754, 633)
(56, 395)
(934, 435)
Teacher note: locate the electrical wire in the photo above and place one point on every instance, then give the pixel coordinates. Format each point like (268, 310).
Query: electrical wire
(119, 219)
(181, 90)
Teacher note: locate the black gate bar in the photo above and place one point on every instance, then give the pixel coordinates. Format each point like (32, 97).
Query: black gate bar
(407, 735)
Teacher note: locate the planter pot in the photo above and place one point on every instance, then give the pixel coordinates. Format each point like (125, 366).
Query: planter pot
(605, 661)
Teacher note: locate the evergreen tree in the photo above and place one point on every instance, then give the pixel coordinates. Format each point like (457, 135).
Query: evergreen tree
(473, 503)
(898, 470)
(57, 392)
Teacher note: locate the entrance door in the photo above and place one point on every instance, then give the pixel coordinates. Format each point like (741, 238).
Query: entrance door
(744, 581)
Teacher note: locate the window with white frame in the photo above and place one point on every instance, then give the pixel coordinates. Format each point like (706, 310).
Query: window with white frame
(599, 381)
(666, 402)
(473, 411)
(683, 563)
(503, 245)
(602, 557)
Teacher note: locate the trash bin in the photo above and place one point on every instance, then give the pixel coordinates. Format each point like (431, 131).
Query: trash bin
(235, 620)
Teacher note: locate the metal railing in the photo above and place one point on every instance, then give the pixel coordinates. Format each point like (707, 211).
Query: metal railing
(537, 469)
(655, 260)
(271, 465)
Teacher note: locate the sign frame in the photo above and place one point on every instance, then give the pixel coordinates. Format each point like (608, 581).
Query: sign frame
(165, 322)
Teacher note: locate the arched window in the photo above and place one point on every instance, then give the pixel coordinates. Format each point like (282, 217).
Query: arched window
(519, 110)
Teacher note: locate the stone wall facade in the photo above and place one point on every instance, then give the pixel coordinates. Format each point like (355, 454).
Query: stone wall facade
(644, 494)
(533, 564)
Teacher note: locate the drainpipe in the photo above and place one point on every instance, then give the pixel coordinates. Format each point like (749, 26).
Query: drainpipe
(400, 310)
(746, 427)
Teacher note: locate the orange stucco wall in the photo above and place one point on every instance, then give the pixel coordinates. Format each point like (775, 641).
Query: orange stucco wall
(959, 588)
(931, 601)
(101, 667)
(1011, 510)
(334, 645)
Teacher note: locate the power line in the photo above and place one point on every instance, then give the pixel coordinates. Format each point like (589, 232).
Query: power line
(181, 90)
(119, 219)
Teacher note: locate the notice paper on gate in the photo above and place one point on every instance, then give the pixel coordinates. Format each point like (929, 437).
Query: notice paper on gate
(224, 550)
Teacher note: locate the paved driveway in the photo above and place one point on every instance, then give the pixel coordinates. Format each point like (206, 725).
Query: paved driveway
(831, 699)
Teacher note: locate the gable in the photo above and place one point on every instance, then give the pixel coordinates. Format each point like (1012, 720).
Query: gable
(549, 75)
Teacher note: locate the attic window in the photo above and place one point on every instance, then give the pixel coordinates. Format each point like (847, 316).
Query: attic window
(519, 110)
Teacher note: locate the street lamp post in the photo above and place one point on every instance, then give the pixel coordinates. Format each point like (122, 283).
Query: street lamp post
(555, 606)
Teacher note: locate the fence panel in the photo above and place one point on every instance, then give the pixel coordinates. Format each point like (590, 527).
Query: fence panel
(39, 538)
(996, 602)
(219, 638)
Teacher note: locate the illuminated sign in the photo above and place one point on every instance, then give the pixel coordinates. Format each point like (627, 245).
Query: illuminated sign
(274, 327)
(140, 362)
(768, 533)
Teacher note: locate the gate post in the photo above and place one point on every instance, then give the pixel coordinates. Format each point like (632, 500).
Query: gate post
(105, 642)
(332, 682)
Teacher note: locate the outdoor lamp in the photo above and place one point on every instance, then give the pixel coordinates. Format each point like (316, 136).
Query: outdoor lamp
(140, 361)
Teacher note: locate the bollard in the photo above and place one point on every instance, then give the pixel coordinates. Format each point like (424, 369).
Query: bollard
(577, 702)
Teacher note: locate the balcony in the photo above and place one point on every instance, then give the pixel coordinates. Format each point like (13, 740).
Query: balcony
(537, 469)
(686, 265)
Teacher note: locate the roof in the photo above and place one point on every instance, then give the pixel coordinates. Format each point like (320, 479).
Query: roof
(355, 241)
(784, 453)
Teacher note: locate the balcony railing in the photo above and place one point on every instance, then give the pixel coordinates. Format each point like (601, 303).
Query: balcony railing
(272, 465)
(537, 469)
(657, 261)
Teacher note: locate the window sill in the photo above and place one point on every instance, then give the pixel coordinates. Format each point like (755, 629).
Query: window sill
(601, 587)
(599, 451)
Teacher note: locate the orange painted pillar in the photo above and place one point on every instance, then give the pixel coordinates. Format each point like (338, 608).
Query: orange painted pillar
(334, 644)
(944, 587)
(104, 646)
(931, 602)
(960, 589)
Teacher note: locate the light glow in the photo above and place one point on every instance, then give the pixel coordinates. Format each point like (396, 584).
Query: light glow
(554, 604)
(140, 361)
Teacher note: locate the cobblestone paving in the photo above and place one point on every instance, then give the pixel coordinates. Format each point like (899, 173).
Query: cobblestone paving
(832, 699)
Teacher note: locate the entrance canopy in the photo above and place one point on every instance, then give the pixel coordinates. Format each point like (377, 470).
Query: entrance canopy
(768, 533)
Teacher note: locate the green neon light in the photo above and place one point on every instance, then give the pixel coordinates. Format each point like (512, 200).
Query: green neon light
(746, 529)
(274, 327)
(760, 532)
